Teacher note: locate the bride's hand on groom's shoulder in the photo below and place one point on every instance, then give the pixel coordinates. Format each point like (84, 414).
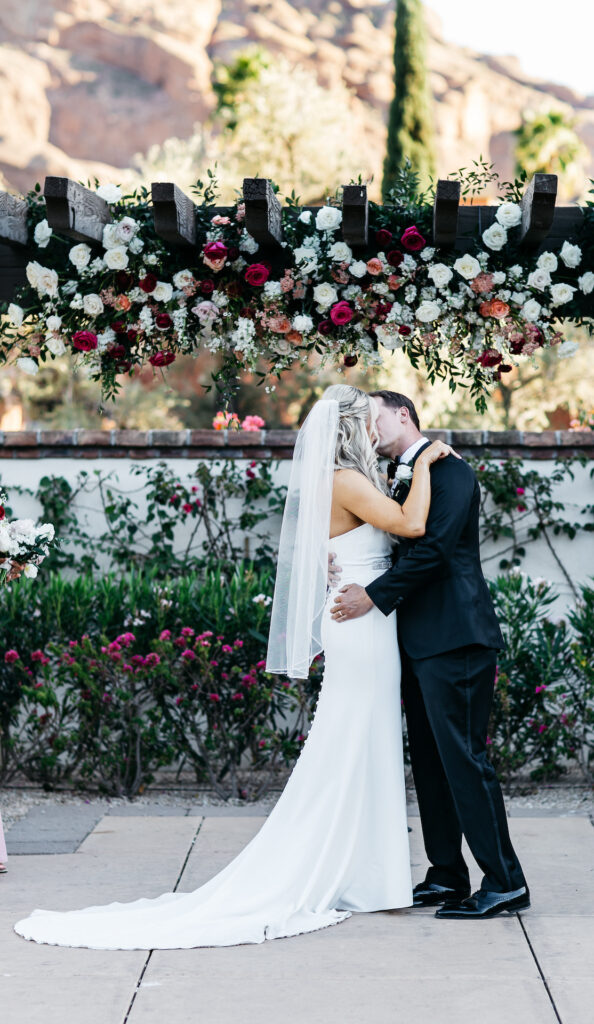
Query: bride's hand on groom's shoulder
(436, 450)
(350, 602)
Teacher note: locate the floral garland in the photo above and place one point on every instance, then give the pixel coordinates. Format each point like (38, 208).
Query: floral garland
(468, 317)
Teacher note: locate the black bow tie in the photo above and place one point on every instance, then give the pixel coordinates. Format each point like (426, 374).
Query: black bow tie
(392, 467)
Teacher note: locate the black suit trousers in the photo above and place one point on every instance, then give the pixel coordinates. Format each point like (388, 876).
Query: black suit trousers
(447, 700)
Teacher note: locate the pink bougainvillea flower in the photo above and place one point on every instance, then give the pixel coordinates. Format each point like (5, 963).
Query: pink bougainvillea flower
(214, 697)
(188, 654)
(11, 656)
(253, 423)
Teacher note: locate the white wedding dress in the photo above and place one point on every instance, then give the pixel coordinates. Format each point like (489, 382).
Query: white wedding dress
(337, 840)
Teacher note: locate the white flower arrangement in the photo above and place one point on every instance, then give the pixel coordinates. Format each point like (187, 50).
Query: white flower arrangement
(23, 545)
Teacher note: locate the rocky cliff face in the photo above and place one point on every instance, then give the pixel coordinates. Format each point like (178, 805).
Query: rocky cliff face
(85, 84)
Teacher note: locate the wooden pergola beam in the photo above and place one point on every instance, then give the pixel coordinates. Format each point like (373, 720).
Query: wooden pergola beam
(445, 212)
(74, 210)
(174, 214)
(263, 211)
(538, 209)
(355, 214)
(13, 219)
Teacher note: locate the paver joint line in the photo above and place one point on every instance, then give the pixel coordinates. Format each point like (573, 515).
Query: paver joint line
(539, 968)
(148, 959)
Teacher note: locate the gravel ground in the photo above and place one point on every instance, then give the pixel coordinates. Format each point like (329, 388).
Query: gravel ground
(16, 801)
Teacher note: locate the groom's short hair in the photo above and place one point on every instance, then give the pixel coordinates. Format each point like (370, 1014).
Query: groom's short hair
(398, 401)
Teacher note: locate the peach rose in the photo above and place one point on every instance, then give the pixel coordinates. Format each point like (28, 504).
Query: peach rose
(485, 309)
(374, 266)
(219, 220)
(295, 337)
(499, 308)
(279, 324)
(394, 282)
(122, 302)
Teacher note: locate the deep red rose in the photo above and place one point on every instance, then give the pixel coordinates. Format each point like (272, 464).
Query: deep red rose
(325, 327)
(124, 280)
(161, 358)
(234, 289)
(383, 237)
(84, 341)
(256, 274)
(383, 308)
(124, 366)
(504, 368)
(490, 357)
(404, 329)
(163, 321)
(351, 360)
(118, 326)
(412, 239)
(2, 512)
(207, 286)
(215, 250)
(516, 345)
(394, 257)
(232, 253)
(131, 334)
(116, 352)
(341, 313)
(148, 283)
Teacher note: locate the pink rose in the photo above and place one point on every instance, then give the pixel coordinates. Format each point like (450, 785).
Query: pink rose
(214, 255)
(341, 313)
(256, 274)
(412, 239)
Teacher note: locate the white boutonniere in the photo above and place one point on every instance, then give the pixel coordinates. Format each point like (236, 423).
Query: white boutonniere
(403, 473)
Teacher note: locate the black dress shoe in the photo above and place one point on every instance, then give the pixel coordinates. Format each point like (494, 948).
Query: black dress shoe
(429, 894)
(487, 904)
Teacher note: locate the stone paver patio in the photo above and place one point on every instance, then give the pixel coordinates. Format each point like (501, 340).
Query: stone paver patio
(382, 968)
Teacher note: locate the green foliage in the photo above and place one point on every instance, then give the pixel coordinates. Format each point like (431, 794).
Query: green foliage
(230, 81)
(547, 142)
(410, 123)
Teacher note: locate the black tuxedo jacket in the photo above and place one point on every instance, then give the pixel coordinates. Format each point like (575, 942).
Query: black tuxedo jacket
(437, 582)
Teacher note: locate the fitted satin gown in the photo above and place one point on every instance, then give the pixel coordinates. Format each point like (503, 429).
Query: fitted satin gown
(337, 840)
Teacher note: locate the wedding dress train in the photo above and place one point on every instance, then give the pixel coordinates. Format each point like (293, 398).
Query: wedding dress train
(335, 843)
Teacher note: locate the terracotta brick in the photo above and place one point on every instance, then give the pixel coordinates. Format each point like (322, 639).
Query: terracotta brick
(20, 438)
(540, 438)
(101, 438)
(170, 438)
(124, 438)
(576, 438)
(244, 438)
(209, 438)
(57, 437)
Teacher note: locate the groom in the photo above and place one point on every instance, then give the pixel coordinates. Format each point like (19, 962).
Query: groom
(449, 638)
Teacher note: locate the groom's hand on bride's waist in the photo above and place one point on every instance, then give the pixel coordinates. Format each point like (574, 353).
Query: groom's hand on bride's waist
(350, 602)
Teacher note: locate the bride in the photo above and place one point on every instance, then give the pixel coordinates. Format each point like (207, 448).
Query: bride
(337, 840)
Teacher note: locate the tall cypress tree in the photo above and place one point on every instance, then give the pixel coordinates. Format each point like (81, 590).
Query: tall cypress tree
(410, 123)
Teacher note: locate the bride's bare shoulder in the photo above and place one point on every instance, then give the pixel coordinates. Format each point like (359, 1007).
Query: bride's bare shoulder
(346, 480)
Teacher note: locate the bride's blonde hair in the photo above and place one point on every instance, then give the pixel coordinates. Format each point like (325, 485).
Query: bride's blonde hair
(355, 445)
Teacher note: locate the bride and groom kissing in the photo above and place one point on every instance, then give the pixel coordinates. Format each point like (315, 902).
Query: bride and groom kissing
(385, 579)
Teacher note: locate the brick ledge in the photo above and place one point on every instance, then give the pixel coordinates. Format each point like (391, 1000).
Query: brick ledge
(152, 444)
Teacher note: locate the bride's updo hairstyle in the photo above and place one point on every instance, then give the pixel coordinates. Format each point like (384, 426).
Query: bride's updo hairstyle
(355, 446)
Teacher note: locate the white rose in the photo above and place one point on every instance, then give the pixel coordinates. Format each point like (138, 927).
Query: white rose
(440, 275)
(80, 255)
(427, 312)
(110, 236)
(585, 282)
(561, 293)
(495, 236)
(403, 472)
(540, 279)
(567, 349)
(46, 531)
(325, 294)
(116, 258)
(302, 323)
(53, 323)
(328, 218)
(427, 254)
(340, 252)
(358, 268)
(498, 277)
(509, 215)
(55, 345)
(547, 261)
(42, 233)
(96, 265)
(183, 279)
(306, 258)
(467, 266)
(305, 216)
(571, 254)
(30, 571)
(110, 193)
(531, 309)
(519, 297)
(27, 365)
(92, 304)
(281, 346)
(162, 291)
(389, 338)
(136, 245)
(76, 301)
(125, 229)
(15, 314)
